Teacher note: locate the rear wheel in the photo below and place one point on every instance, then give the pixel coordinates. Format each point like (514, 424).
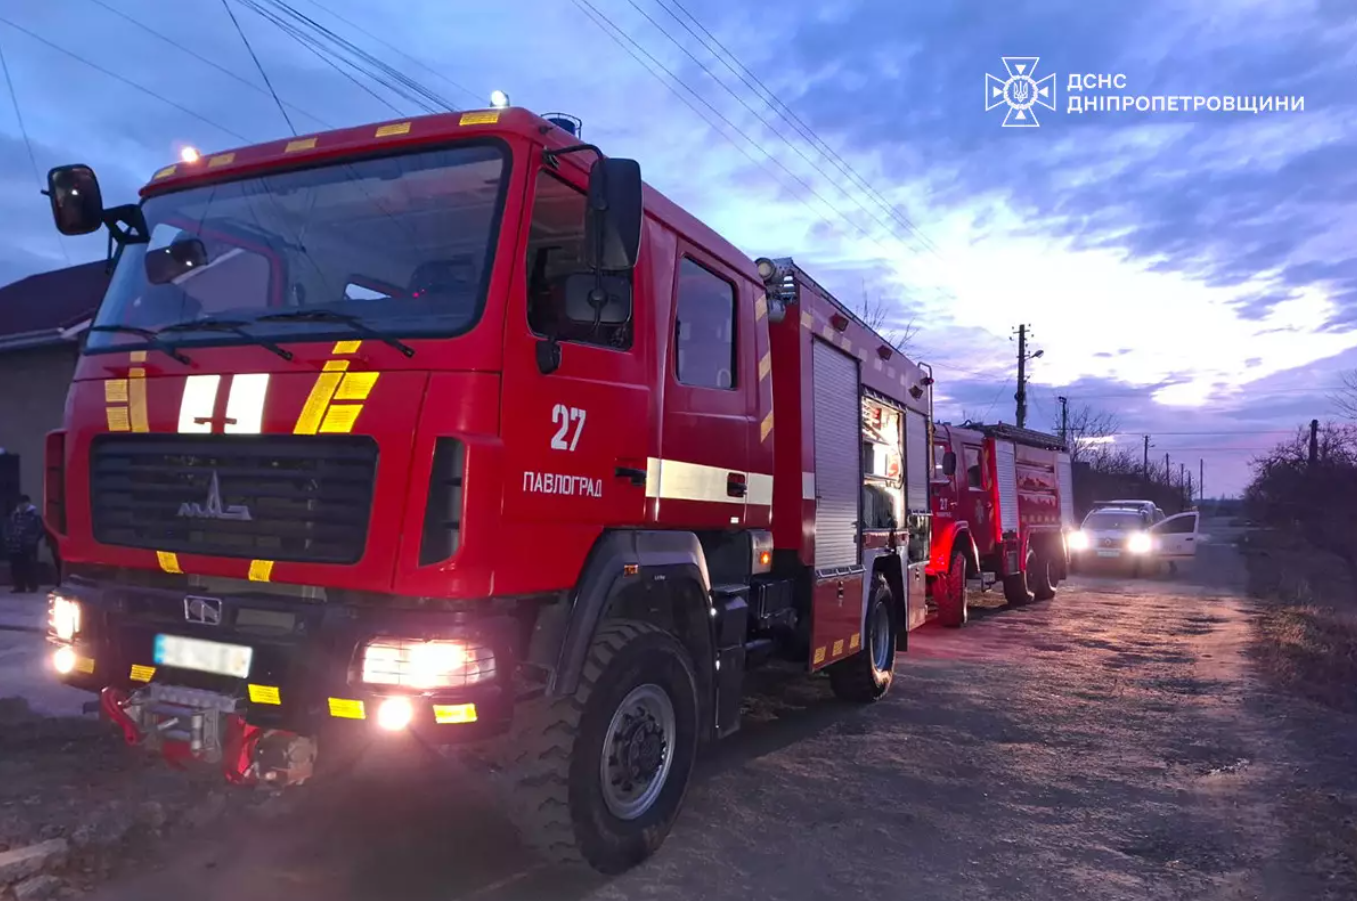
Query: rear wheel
(867, 675)
(1016, 591)
(599, 777)
(1041, 576)
(953, 608)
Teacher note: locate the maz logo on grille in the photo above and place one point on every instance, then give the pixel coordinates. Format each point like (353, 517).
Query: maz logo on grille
(202, 610)
(214, 508)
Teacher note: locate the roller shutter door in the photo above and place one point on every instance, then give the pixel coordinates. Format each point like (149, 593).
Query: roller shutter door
(838, 457)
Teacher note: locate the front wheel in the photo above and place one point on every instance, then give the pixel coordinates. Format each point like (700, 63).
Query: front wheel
(599, 777)
(953, 609)
(868, 674)
(1041, 576)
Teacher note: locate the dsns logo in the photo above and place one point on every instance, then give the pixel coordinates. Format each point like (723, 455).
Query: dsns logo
(1021, 92)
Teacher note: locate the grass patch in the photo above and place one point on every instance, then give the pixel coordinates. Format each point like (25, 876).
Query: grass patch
(1308, 631)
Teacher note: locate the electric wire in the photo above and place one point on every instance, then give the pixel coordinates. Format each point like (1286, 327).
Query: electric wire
(764, 93)
(260, 66)
(587, 7)
(203, 59)
(28, 140)
(772, 128)
(127, 81)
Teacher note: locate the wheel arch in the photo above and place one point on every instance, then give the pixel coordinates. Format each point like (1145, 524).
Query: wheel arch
(658, 577)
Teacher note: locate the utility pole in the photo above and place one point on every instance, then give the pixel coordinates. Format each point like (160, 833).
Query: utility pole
(1190, 492)
(1023, 356)
(1168, 480)
(1201, 480)
(1145, 471)
(1064, 420)
(1314, 441)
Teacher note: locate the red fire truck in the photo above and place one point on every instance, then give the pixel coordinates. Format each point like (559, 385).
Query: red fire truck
(451, 426)
(1003, 502)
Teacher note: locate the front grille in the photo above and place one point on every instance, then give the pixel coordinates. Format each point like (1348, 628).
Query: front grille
(273, 497)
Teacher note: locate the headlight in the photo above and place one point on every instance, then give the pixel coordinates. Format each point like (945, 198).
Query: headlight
(1078, 541)
(63, 617)
(426, 664)
(1138, 543)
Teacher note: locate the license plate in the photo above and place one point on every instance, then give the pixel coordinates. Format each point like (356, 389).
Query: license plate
(1109, 553)
(204, 656)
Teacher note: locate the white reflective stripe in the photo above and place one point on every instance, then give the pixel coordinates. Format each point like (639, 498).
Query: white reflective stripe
(807, 486)
(246, 403)
(200, 397)
(678, 481)
(760, 489)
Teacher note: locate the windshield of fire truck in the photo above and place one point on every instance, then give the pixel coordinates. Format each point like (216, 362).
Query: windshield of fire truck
(404, 243)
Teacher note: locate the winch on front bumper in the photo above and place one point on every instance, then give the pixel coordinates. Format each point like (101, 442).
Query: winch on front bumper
(189, 725)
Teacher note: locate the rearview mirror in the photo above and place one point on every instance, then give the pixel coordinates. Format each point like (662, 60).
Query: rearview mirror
(949, 463)
(77, 204)
(612, 226)
(165, 264)
(590, 299)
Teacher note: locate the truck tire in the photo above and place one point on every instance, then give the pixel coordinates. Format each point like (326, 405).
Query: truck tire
(953, 607)
(599, 777)
(868, 674)
(1015, 586)
(1041, 576)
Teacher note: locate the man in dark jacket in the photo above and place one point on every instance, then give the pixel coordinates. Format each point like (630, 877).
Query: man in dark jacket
(23, 532)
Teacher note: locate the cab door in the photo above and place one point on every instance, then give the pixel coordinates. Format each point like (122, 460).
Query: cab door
(575, 439)
(702, 478)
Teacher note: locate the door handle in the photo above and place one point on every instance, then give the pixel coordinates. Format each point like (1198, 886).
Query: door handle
(736, 486)
(637, 476)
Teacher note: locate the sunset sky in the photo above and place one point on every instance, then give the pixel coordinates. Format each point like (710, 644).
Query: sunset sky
(1192, 272)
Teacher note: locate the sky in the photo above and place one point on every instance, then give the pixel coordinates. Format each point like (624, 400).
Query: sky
(1193, 273)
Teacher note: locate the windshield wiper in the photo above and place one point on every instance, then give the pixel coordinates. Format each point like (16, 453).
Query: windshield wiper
(226, 325)
(151, 338)
(352, 322)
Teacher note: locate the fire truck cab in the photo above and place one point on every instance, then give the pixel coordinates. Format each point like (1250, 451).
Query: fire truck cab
(452, 426)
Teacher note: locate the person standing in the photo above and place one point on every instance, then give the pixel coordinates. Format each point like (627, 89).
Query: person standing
(25, 530)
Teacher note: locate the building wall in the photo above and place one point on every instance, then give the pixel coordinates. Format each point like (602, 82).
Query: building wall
(33, 387)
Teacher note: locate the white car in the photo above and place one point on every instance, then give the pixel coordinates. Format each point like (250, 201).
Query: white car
(1150, 508)
(1126, 535)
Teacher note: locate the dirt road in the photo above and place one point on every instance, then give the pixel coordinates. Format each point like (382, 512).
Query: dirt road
(1106, 745)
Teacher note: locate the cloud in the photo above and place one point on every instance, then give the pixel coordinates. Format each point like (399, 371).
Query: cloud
(1172, 265)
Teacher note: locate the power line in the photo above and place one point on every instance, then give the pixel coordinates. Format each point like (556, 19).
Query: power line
(28, 141)
(394, 49)
(595, 15)
(755, 113)
(785, 112)
(127, 81)
(310, 43)
(260, 66)
(203, 59)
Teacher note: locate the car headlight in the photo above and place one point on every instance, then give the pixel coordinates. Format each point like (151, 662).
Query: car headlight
(1078, 541)
(1139, 543)
(63, 616)
(426, 664)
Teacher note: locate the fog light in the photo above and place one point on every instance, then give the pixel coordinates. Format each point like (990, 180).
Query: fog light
(63, 660)
(394, 714)
(63, 616)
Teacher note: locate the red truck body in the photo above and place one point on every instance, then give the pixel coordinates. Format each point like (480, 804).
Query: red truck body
(387, 428)
(1002, 500)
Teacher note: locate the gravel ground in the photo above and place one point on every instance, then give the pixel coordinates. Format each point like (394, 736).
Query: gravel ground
(1111, 744)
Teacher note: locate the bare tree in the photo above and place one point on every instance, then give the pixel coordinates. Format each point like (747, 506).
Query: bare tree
(1344, 400)
(1090, 438)
(878, 313)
